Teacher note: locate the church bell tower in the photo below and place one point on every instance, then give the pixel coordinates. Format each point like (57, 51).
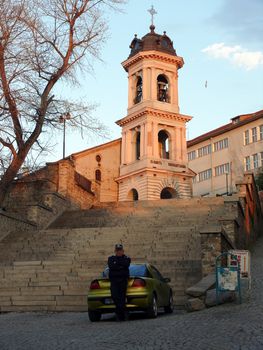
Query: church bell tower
(153, 153)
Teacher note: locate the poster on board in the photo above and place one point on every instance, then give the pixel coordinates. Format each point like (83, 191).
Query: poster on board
(243, 257)
(227, 278)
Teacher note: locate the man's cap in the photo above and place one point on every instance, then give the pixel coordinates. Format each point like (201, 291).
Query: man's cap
(118, 246)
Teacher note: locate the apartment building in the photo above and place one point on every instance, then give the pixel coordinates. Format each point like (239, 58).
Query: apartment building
(221, 157)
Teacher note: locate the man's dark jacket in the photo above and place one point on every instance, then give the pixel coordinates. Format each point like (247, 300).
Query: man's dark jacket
(118, 267)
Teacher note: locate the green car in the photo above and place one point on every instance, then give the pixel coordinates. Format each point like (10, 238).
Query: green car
(147, 291)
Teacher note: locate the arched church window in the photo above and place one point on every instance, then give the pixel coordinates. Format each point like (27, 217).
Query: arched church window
(162, 88)
(98, 175)
(164, 144)
(138, 93)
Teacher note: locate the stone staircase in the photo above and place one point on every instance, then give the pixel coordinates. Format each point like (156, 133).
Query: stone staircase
(51, 269)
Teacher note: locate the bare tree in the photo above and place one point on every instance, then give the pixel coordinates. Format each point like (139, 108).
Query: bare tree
(42, 43)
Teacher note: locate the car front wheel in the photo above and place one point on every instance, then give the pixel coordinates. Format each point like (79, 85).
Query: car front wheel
(152, 311)
(94, 316)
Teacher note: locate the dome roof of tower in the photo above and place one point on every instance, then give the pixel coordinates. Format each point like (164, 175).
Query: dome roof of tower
(152, 41)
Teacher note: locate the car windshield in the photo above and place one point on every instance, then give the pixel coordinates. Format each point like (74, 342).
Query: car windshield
(135, 271)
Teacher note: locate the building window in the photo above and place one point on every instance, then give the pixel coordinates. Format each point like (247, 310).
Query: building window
(137, 145)
(220, 145)
(222, 169)
(255, 161)
(246, 137)
(254, 135)
(261, 132)
(191, 155)
(205, 175)
(261, 158)
(98, 158)
(98, 175)
(163, 141)
(247, 163)
(204, 151)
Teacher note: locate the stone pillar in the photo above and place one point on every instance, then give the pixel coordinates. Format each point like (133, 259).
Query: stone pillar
(133, 146)
(142, 141)
(178, 155)
(172, 144)
(153, 84)
(175, 91)
(146, 85)
(130, 90)
(149, 138)
(155, 139)
(145, 140)
(123, 147)
(128, 148)
(183, 140)
(170, 77)
(150, 75)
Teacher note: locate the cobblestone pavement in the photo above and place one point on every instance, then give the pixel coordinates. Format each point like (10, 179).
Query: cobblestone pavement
(227, 327)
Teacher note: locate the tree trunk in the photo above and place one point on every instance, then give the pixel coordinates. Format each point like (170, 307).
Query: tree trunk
(9, 175)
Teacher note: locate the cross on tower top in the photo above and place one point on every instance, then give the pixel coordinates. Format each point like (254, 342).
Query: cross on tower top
(152, 12)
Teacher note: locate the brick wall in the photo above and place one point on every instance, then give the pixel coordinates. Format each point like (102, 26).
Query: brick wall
(57, 177)
(71, 186)
(10, 223)
(213, 243)
(43, 195)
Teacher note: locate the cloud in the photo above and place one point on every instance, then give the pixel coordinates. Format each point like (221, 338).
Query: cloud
(241, 19)
(237, 55)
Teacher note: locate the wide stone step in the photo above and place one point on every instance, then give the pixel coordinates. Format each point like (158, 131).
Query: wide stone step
(152, 217)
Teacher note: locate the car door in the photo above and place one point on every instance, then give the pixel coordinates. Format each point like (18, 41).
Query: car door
(164, 289)
(159, 283)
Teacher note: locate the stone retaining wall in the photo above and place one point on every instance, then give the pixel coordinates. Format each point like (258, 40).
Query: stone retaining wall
(214, 241)
(10, 223)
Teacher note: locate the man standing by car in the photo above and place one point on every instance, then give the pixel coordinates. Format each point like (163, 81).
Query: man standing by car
(118, 275)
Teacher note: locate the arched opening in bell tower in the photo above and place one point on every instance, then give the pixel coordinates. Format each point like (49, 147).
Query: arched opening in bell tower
(164, 144)
(138, 91)
(138, 145)
(168, 193)
(162, 88)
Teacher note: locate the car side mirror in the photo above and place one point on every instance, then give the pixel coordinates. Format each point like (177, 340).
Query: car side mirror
(167, 280)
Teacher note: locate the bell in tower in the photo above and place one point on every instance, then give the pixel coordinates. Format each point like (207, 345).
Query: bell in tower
(153, 155)
(138, 95)
(163, 88)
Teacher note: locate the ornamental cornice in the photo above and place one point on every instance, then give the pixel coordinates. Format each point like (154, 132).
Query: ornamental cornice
(156, 55)
(187, 173)
(154, 113)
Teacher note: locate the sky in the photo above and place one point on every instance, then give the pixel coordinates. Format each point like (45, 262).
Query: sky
(221, 43)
